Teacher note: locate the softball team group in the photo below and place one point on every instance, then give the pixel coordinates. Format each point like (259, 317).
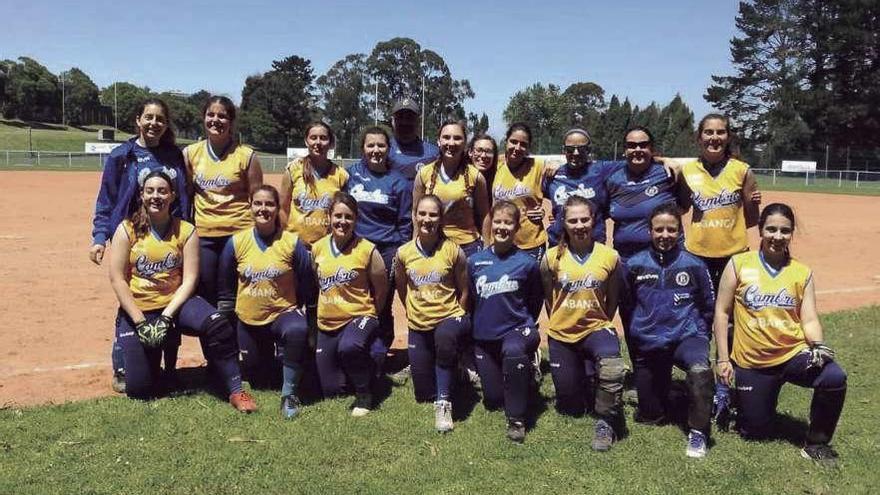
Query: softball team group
(198, 245)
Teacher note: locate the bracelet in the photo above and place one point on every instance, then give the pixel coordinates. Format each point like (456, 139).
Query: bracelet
(719, 361)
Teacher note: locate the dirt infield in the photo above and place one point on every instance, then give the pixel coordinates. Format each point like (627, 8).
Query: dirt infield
(57, 309)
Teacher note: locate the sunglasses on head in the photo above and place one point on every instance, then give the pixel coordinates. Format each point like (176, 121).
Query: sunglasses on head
(631, 145)
(583, 149)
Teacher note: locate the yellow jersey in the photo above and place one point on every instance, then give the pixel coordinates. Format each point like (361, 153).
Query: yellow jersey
(343, 282)
(579, 291)
(718, 226)
(309, 215)
(267, 281)
(457, 195)
(767, 327)
(431, 295)
(222, 190)
(155, 265)
(523, 189)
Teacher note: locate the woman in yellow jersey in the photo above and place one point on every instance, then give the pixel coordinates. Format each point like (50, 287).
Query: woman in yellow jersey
(267, 272)
(153, 271)
(580, 279)
(777, 337)
(483, 154)
(352, 287)
(460, 186)
(519, 179)
(223, 173)
(309, 184)
(431, 280)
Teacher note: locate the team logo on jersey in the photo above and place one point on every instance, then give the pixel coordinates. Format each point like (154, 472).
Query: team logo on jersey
(651, 191)
(341, 277)
(147, 267)
(571, 286)
(487, 289)
(361, 195)
(561, 195)
(217, 182)
(254, 276)
(682, 278)
(647, 276)
(431, 278)
(517, 191)
(755, 300)
(678, 297)
(311, 204)
(723, 199)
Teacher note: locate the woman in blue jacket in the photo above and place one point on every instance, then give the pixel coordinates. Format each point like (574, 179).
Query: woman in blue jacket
(153, 149)
(384, 200)
(669, 301)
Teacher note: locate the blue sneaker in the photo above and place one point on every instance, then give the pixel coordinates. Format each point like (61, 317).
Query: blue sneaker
(696, 446)
(603, 438)
(290, 406)
(721, 411)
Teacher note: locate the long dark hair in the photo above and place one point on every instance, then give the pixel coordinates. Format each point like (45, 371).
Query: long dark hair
(731, 149)
(572, 201)
(460, 168)
(307, 167)
(167, 138)
(228, 107)
(439, 204)
(138, 216)
(777, 209)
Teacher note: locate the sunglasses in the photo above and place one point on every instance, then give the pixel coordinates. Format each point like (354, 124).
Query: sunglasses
(582, 149)
(632, 145)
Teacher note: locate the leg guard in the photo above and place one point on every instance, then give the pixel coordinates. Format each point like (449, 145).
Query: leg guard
(219, 338)
(700, 384)
(609, 393)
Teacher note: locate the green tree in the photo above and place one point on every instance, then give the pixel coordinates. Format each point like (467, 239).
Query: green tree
(586, 106)
(545, 110)
(342, 92)
(477, 124)
(81, 97)
(125, 101)
(185, 116)
(31, 91)
(676, 129)
(613, 123)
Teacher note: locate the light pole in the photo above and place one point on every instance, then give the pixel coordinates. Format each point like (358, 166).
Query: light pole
(63, 109)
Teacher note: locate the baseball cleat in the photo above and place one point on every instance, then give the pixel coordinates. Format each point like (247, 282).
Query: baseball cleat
(822, 453)
(118, 381)
(243, 402)
(603, 437)
(443, 416)
(696, 444)
(290, 406)
(363, 404)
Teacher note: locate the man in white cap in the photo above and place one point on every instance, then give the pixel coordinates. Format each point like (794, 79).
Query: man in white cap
(408, 152)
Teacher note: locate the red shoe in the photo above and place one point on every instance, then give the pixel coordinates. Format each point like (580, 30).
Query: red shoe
(243, 402)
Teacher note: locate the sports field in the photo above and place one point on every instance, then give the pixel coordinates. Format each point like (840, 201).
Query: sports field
(57, 326)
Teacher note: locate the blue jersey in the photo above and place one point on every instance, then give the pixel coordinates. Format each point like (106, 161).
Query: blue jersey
(666, 297)
(408, 158)
(507, 292)
(587, 182)
(119, 184)
(384, 204)
(631, 200)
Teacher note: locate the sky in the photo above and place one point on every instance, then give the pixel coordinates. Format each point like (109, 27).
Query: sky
(645, 50)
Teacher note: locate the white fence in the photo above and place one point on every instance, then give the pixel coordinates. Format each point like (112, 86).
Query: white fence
(822, 178)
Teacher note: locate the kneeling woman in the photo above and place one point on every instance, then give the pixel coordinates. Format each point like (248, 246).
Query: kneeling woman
(580, 285)
(352, 288)
(506, 286)
(154, 271)
(668, 301)
(266, 275)
(431, 279)
(777, 336)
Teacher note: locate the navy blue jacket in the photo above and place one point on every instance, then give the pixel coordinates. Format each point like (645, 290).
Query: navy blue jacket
(119, 184)
(666, 297)
(587, 182)
(384, 204)
(408, 158)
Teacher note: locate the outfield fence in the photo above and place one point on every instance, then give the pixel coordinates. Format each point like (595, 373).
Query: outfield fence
(821, 179)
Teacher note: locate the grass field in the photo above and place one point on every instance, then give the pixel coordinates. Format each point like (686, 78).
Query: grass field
(195, 444)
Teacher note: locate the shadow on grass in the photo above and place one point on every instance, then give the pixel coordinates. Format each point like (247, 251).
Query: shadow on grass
(34, 125)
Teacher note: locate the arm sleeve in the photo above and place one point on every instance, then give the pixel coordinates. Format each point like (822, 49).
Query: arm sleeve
(227, 273)
(404, 213)
(306, 285)
(108, 195)
(706, 300)
(535, 292)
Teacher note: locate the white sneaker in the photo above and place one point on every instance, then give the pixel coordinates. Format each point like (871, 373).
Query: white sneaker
(443, 416)
(696, 446)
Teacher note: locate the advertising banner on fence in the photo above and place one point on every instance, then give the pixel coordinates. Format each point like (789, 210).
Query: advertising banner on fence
(795, 166)
(100, 148)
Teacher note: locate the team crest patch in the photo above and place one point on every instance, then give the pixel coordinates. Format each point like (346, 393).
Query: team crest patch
(682, 278)
(651, 191)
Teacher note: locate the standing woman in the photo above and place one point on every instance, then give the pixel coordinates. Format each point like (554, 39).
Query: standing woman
(431, 279)
(668, 302)
(580, 278)
(223, 173)
(153, 271)
(384, 218)
(518, 179)
(635, 190)
(506, 286)
(266, 274)
(459, 185)
(483, 153)
(152, 149)
(777, 337)
(309, 184)
(579, 176)
(352, 289)
(721, 189)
